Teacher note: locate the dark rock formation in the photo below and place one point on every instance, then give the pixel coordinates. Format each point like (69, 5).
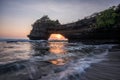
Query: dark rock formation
(84, 29)
(40, 28)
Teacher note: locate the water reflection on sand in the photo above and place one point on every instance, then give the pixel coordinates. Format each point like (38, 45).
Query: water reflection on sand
(44, 60)
(53, 52)
(58, 48)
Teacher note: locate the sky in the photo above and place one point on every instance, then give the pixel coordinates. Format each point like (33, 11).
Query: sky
(16, 16)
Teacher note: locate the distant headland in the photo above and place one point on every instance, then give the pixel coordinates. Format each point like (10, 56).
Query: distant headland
(104, 25)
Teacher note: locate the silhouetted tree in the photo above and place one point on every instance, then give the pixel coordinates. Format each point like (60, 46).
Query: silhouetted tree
(45, 18)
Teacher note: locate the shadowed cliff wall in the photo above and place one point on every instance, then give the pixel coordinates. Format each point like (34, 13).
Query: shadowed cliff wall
(89, 28)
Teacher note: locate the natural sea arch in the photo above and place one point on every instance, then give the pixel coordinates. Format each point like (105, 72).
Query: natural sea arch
(57, 36)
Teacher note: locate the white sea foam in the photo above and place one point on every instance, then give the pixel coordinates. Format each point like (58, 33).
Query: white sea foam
(82, 64)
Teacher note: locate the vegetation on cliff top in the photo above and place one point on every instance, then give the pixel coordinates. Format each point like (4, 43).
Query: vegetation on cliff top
(102, 25)
(106, 18)
(109, 17)
(47, 21)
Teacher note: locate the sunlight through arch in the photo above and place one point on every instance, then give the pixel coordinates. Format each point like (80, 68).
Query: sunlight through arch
(57, 37)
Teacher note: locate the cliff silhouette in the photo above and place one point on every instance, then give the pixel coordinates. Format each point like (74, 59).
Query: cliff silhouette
(104, 25)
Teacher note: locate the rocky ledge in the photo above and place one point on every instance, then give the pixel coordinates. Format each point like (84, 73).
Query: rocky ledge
(104, 25)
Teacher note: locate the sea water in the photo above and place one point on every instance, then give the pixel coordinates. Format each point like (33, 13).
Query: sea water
(47, 60)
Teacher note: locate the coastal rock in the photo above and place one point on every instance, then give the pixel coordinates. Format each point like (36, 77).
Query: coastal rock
(84, 29)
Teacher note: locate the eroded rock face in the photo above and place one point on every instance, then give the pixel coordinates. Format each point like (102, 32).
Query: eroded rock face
(43, 27)
(85, 29)
(40, 28)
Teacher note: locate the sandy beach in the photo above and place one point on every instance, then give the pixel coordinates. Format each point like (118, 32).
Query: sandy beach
(108, 69)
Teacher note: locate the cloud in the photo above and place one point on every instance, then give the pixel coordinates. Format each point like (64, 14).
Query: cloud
(60, 9)
(25, 12)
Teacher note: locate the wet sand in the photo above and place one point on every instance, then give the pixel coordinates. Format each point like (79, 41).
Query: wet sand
(108, 69)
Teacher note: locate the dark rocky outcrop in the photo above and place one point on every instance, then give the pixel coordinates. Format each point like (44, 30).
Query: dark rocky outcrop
(85, 29)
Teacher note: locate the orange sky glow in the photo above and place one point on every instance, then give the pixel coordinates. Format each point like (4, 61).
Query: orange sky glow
(16, 16)
(57, 37)
(11, 28)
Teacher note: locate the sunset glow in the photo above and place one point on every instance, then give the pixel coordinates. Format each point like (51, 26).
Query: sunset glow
(57, 37)
(58, 61)
(16, 16)
(58, 49)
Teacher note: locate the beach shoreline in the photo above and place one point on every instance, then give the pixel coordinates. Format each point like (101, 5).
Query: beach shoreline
(108, 69)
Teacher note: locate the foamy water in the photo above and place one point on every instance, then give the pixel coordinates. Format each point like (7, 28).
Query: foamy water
(42, 60)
